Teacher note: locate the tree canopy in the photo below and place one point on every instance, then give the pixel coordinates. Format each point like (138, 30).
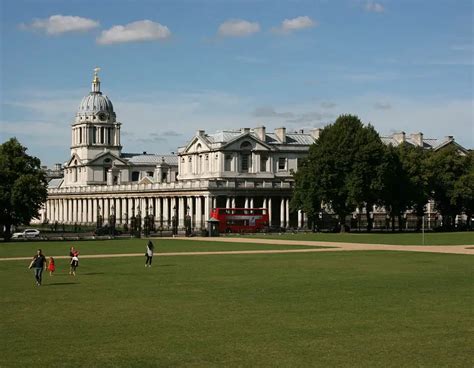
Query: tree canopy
(350, 168)
(23, 187)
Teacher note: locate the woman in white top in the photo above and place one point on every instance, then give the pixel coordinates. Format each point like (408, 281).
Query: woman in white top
(149, 253)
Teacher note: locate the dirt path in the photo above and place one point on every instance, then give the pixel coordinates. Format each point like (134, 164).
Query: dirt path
(452, 249)
(332, 247)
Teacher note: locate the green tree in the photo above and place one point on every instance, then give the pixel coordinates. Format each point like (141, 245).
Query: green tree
(463, 191)
(446, 167)
(23, 187)
(343, 170)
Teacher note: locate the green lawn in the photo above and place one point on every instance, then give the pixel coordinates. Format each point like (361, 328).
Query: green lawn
(61, 248)
(344, 309)
(455, 238)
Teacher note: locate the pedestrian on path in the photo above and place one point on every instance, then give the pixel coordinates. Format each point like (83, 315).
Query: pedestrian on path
(51, 266)
(38, 263)
(149, 253)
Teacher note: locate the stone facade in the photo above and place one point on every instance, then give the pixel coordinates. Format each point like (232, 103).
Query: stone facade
(245, 168)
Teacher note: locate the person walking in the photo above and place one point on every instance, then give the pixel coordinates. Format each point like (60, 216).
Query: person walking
(39, 264)
(149, 253)
(72, 253)
(74, 263)
(51, 266)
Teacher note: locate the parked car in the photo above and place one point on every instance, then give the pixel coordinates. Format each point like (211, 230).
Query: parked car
(27, 233)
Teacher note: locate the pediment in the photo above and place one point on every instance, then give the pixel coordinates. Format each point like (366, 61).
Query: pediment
(75, 160)
(249, 140)
(145, 180)
(107, 159)
(197, 144)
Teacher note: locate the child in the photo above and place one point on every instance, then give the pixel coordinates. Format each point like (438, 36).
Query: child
(74, 262)
(51, 266)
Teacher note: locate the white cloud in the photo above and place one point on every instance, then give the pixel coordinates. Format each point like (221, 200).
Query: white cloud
(238, 28)
(142, 30)
(295, 24)
(374, 7)
(57, 24)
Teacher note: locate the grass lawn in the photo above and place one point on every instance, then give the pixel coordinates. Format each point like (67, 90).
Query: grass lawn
(455, 238)
(344, 309)
(61, 248)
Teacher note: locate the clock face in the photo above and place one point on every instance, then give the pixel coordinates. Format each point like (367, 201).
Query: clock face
(102, 116)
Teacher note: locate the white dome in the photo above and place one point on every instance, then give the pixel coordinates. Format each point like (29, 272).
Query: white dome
(96, 102)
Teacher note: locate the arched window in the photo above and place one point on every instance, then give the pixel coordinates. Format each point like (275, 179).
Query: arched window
(198, 147)
(246, 145)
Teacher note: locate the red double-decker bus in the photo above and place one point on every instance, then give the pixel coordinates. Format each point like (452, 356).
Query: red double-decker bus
(240, 220)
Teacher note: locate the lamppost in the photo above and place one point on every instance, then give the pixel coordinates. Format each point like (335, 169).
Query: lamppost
(112, 221)
(138, 223)
(99, 218)
(146, 224)
(187, 223)
(175, 221)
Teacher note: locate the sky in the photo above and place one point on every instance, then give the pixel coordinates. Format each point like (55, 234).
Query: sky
(174, 67)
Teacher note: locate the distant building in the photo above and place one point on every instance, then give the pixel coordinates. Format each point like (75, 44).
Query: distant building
(243, 168)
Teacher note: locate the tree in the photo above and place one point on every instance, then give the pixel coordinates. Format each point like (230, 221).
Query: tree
(23, 186)
(446, 167)
(342, 170)
(463, 191)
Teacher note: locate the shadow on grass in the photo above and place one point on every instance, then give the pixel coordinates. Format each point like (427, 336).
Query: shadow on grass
(92, 273)
(60, 283)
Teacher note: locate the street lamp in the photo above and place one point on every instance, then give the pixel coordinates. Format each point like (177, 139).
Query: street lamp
(187, 223)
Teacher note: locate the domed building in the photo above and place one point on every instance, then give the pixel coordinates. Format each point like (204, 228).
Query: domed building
(231, 169)
(96, 152)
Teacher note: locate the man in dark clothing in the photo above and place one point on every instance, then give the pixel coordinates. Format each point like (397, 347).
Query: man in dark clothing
(39, 264)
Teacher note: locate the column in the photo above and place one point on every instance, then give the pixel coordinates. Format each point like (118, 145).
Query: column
(118, 211)
(158, 213)
(165, 215)
(130, 208)
(269, 203)
(287, 212)
(251, 202)
(182, 212)
(227, 202)
(74, 211)
(246, 205)
(69, 211)
(173, 209)
(106, 210)
(300, 219)
(191, 211)
(233, 202)
(79, 211)
(90, 212)
(94, 209)
(198, 219)
(207, 205)
(282, 212)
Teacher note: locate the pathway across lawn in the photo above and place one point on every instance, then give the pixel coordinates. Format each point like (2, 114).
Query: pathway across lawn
(311, 248)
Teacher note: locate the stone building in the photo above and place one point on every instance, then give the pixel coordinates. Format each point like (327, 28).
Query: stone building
(243, 168)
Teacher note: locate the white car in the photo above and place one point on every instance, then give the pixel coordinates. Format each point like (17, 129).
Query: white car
(27, 233)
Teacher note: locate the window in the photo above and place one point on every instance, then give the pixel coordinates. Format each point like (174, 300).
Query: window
(245, 162)
(228, 163)
(263, 163)
(102, 135)
(149, 173)
(94, 135)
(282, 163)
(135, 175)
(164, 176)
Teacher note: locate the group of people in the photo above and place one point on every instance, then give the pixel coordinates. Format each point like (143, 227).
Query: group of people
(39, 263)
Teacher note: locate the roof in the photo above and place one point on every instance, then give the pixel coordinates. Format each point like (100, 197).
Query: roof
(55, 183)
(150, 159)
(270, 138)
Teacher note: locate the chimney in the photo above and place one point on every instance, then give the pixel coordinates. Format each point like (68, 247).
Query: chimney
(449, 138)
(200, 132)
(399, 137)
(315, 133)
(260, 133)
(245, 130)
(418, 139)
(281, 134)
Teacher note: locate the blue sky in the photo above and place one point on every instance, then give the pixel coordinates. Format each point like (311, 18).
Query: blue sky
(173, 67)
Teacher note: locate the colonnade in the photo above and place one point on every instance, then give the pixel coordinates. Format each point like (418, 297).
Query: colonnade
(86, 210)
